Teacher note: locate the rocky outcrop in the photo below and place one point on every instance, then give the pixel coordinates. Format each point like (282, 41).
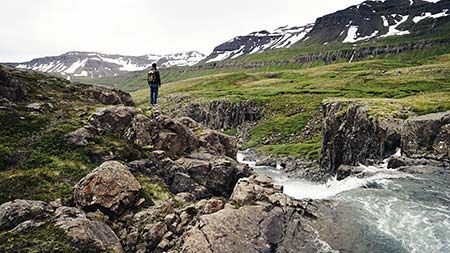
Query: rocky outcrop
(80, 137)
(218, 144)
(111, 187)
(351, 136)
(174, 137)
(107, 96)
(112, 119)
(267, 219)
(427, 136)
(354, 133)
(222, 113)
(141, 131)
(160, 132)
(200, 175)
(86, 233)
(22, 85)
(15, 212)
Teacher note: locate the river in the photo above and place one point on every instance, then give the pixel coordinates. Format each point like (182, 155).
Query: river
(400, 212)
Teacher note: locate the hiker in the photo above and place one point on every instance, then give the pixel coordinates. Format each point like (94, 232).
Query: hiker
(154, 81)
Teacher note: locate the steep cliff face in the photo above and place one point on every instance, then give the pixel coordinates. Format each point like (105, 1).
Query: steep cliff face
(427, 136)
(361, 53)
(216, 114)
(351, 136)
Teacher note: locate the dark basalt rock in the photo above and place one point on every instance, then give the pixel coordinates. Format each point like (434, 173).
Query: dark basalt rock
(397, 162)
(223, 114)
(350, 136)
(427, 136)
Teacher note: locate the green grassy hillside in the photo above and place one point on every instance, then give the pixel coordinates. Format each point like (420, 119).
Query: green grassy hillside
(292, 98)
(272, 60)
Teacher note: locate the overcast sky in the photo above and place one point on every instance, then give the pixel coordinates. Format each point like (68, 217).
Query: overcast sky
(36, 28)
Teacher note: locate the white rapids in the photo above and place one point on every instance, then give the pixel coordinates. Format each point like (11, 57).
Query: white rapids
(413, 211)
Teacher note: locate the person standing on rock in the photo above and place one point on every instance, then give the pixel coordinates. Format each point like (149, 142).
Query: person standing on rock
(154, 81)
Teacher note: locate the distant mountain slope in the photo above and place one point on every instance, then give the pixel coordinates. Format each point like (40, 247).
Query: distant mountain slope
(380, 19)
(95, 65)
(260, 41)
(370, 20)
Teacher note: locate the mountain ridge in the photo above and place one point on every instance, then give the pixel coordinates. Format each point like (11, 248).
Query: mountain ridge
(75, 64)
(365, 22)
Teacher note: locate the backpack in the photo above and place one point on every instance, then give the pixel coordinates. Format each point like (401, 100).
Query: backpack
(152, 76)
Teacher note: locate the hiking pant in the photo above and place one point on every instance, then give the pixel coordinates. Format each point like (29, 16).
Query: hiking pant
(153, 93)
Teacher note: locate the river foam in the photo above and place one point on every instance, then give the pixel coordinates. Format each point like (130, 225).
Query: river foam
(413, 211)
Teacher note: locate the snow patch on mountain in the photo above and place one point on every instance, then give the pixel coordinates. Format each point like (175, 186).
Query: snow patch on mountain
(426, 15)
(393, 31)
(353, 35)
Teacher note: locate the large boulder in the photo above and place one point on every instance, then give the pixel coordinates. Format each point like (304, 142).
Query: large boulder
(107, 96)
(111, 187)
(81, 136)
(218, 144)
(401, 161)
(261, 219)
(115, 119)
(247, 229)
(142, 131)
(86, 233)
(174, 138)
(15, 212)
(218, 174)
(427, 136)
(12, 87)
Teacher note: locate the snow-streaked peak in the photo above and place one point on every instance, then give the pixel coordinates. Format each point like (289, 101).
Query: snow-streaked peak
(260, 41)
(93, 64)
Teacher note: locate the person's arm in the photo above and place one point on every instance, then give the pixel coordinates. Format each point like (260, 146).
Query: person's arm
(158, 78)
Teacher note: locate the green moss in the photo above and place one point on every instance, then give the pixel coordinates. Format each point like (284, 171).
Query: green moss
(45, 238)
(122, 149)
(279, 129)
(153, 190)
(231, 132)
(17, 126)
(38, 184)
(309, 150)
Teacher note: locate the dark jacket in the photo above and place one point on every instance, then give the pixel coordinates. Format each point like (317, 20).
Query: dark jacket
(158, 78)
